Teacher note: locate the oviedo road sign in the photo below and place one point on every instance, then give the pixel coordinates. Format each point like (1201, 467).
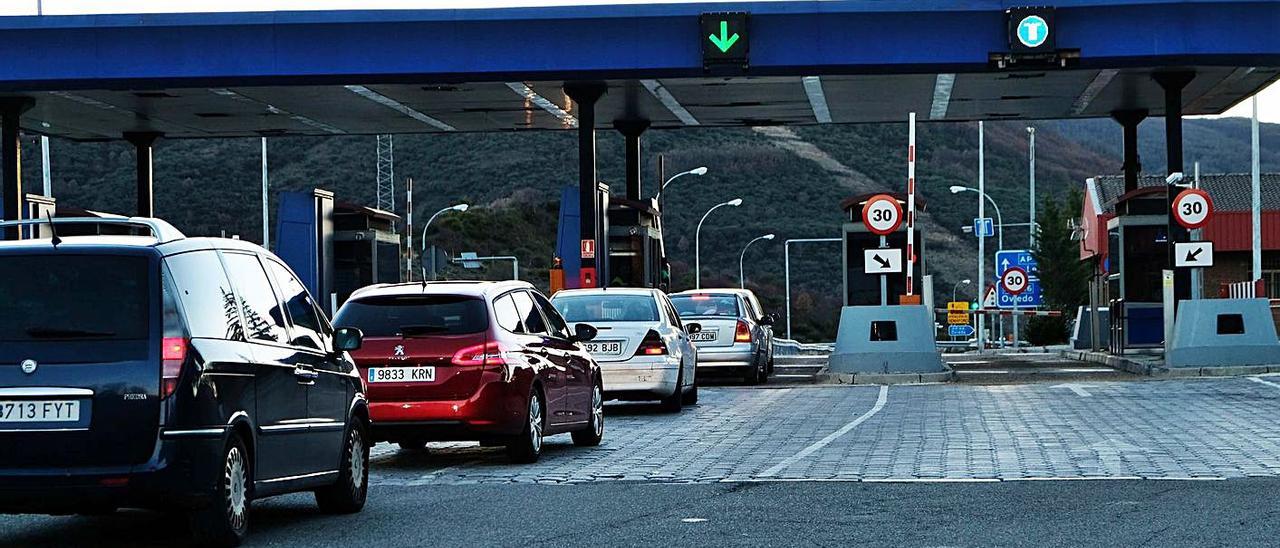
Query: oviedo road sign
(1014, 280)
(1192, 208)
(882, 214)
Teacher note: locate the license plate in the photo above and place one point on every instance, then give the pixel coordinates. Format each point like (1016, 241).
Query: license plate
(39, 411)
(402, 374)
(703, 336)
(605, 348)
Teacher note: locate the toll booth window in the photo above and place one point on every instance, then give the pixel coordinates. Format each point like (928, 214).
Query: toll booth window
(885, 330)
(1230, 324)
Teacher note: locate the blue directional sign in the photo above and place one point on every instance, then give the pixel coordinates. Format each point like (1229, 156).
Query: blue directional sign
(984, 227)
(1033, 30)
(960, 330)
(1032, 297)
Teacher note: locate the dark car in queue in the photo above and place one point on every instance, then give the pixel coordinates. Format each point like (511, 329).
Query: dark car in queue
(492, 362)
(735, 337)
(156, 371)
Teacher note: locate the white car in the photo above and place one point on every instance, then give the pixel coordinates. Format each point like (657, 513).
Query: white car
(643, 347)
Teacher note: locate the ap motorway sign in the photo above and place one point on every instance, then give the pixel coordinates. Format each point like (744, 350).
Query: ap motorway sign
(1022, 259)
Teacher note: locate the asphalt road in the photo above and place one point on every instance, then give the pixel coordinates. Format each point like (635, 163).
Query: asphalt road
(1037, 513)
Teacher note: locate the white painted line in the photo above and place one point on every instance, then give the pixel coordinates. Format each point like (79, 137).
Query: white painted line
(668, 100)
(1079, 389)
(817, 99)
(984, 372)
(1080, 370)
(1187, 478)
(693, 520)
(522, 89)
(1260, 381)
(880, 402)
(789, 376)
(931, 480)
(976, 362)
(399, 107)
(941, 96)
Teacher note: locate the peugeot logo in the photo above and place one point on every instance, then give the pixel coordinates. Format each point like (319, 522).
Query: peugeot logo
(399, 350)
(29, 366)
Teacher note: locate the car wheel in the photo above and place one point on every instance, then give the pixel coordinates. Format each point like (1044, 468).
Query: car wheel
(526, 446)
(753, 376)
(691, 397)
(348, 494)
(225, 521)
(672, 403)
(591, 436)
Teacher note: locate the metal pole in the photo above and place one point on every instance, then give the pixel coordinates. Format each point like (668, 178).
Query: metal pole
(982, 214)
(408, 228)
(786, 262)
(1256, 184)
(911, 209)
(1031, 239)
(266, 211)
(884, 280)
(742, 272)
(44, 162)
(697, 246)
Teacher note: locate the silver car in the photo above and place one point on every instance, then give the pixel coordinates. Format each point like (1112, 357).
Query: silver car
(735, 336)
(643, 346)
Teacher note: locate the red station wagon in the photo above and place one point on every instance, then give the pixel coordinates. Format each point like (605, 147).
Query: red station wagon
(474, 361)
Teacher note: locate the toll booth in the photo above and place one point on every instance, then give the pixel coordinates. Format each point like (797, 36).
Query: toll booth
(366, 248)
(304, 241)
(39, 206)
(637, 257)
(569, 247)
(860, 288)
(1138, 238)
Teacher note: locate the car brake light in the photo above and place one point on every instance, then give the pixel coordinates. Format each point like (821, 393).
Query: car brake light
(743, 333)
(480, 354)
(173, 353)
(652, 345)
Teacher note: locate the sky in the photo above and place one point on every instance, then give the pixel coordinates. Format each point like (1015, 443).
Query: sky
(1268, 99)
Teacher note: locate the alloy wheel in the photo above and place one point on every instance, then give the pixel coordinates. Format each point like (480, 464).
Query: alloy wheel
(535, 423)
(235, 478)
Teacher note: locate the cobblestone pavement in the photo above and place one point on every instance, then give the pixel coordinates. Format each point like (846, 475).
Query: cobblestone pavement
(1176, 429)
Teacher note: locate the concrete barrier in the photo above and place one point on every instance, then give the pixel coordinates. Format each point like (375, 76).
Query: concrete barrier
(886, 339)
(1223, 333)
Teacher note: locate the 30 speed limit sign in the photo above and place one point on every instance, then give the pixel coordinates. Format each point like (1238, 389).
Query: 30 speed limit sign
(1014, 281)
(882, 214)
(1192, 208)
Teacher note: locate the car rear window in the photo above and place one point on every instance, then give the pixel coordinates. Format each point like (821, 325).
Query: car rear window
(74, 297)
(414, 315)
(706, 305)
(607, 308)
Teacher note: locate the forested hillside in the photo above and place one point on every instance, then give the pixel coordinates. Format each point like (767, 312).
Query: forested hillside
(791, 180)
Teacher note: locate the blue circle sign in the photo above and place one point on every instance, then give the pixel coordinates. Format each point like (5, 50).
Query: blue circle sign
(1033, 31)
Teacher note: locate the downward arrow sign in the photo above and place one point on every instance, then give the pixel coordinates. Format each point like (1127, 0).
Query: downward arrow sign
(1192, 255)
(724, 41)
(884, 263)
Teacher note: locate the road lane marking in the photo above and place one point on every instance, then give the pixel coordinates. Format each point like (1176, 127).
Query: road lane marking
(1079, 389)
(1268, 383)
(880, 401)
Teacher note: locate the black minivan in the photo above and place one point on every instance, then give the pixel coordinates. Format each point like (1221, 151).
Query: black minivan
(146, 369)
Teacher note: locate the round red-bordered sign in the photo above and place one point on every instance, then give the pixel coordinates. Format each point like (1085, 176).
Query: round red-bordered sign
(1014, 280)
(882, 214)
(1192, 208)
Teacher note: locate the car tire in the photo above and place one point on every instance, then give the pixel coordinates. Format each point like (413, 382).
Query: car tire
(691, 397)
(673, 403)
(753, 377)
(225, 520)
(526, 447)
(348, 494)
(594, 432)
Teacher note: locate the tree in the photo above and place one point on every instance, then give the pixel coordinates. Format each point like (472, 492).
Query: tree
(1064, 278)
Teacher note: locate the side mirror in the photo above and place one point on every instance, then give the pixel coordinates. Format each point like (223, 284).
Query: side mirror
(692, 328)
(583, 332)
(347, 338)
(768, 319)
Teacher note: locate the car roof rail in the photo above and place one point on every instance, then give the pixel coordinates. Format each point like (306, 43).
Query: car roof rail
(161, 230)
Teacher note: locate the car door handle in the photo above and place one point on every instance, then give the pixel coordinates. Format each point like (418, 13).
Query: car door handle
(305, 376)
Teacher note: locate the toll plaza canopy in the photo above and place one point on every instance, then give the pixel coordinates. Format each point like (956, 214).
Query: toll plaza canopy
(97, 77)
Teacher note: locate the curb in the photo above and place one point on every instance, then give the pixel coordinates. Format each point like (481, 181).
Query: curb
(1162, 372)
(886, 378)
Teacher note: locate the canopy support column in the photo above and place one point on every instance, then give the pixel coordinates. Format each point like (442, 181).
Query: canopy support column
(1173, 82)
(1129, 120)
(585, 95)
(631, 131)
(11, 110)
(144, 145)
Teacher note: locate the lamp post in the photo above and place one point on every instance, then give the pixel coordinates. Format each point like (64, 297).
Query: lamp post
(697, 240)
(459, 208)
(695, 171)
(742, 272)
(1031, 182)
(956, 189)
(965, 281)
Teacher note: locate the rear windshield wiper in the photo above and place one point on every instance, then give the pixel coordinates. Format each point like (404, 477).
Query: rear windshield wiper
(62, 333)
(415, 330)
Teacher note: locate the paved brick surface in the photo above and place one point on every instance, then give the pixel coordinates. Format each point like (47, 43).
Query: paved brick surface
(1201, 428)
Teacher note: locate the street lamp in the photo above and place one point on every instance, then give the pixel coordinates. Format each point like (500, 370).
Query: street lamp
(965, 281)
(956, 189)
(697, 240)
(742, 273)
(1031, 169)
(695, 171)
(459, 208)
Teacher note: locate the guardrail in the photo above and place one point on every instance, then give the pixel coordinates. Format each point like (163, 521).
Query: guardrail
(788, 347)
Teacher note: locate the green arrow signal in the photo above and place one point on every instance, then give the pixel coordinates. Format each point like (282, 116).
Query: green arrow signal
(724, 41)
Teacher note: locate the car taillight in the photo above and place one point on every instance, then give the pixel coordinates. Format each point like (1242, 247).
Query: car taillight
(743, 333)
(480, 354)
(652, 345)
(173, 353)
